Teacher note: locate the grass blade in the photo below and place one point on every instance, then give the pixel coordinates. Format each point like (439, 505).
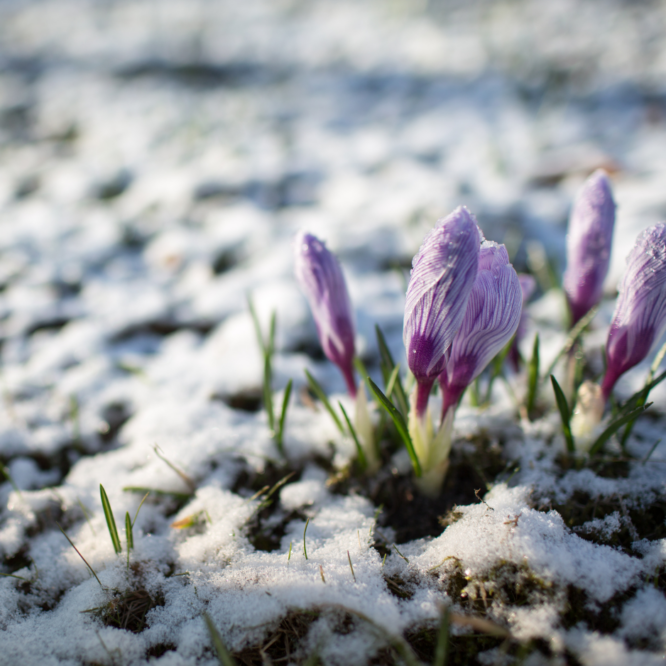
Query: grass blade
(359, 449)
(279, 436)
(110, 520)
(179, 497)
(640, 397)
(319, 392)
(136, 515)
(305, 529)
(268, 392)
(129, 536)
(399, 422)
(257, 326)
(615, 426)
(387, 366)
(571, 339)
(441, 651)
(71, 543)
(563, 406)
(129, 533)
(223, 655)
(533, 376)
(496, 366)
(186, 479)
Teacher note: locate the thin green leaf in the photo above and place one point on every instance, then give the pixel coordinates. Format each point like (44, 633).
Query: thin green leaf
(136, 515)
(533, 376)
(186, 478)
(180, 497)
(574, 334)
(223, 655)
(562, 405)
(640, 397)
(390, 384)
(268, 392)
(319, 392)
(615, 426)
(129, 533)
(71, 543)
(360, 367)
(279, 437)
(496, 367)
(399, 422)
(387, 366)
(5, 472)
(110, 520)
(442, 649)
(270, 347)
(257, 326)
(305, 529)
(651, 451)
(129, 536)
(359, 449)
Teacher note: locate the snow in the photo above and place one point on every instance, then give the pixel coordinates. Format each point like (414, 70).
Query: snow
(156, 162)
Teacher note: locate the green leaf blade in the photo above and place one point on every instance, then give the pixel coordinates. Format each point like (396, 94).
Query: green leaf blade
(533, 376)
(565, 416)
(110, 520)
(316, 388)
(400, 424)
(615, 425)
(363, 462)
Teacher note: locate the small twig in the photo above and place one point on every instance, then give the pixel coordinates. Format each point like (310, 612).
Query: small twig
(351, 566)
(187, 479)
(71, 543)
(476, 493)
(399, 553)
(321, 572)
(651, 451)
(289, 555)
(305, 552)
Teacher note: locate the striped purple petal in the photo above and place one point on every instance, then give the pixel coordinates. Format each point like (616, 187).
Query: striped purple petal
(491, 318)
(639, 321)
(443, 274)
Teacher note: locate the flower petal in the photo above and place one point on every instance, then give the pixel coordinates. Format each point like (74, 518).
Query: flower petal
(442, 277)
(589, 244)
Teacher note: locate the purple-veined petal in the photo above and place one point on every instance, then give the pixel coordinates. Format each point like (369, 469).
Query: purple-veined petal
(491, 318)
(443, 273)
(589, 243)
(639, 321)
(320, 276)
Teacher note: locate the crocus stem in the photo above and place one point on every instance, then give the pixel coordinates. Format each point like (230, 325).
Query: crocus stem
(423, 388)
(348, 374)
(450, 397)
(610, 378)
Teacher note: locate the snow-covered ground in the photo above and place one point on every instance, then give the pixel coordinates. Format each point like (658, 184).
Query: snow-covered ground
(156, 160)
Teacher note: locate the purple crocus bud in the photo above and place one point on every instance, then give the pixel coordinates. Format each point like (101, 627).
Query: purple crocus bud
(443, 274)
(490, 320)
(320, 276)
(589, 245)
(527, 287)
(640, 314)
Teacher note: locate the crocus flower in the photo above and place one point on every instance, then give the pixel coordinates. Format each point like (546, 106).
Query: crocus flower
(491, 319)
(442, 278)
(640, 314)
(589, 245)
(323, 283)
(443, 274)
